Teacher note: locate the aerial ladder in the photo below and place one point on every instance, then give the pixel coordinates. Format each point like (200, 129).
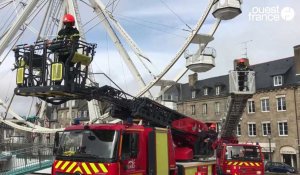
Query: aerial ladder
(39, 74)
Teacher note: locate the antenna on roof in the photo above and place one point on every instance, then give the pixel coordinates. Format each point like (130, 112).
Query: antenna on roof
(245, 54)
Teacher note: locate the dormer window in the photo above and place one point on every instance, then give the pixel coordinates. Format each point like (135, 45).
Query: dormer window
(218, 89)
(205, 91)
(278, 80)
(193, 94)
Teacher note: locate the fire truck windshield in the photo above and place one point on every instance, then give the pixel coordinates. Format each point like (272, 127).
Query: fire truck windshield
(249, 152)
(100, 144)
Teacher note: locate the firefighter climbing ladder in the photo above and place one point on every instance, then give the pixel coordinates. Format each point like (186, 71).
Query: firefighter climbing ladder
(237, 101)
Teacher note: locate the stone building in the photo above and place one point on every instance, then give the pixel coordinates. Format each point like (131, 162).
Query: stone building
(59, 116)
(271, 117)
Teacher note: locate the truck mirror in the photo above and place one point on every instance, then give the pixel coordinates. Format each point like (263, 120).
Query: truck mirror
(56, 139)
(56, 142)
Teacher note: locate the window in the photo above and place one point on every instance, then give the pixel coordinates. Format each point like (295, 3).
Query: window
(218, 89)
(277, 80)
(283, 128)
(238, 130)
(281, 104)
(130, 146)
(62, 105)
(204, 109)
(251, 106)
(266, 128)
(85, 114)
(205, 92)
(217, 108)
(252, 129)
(193, 94)
(193, 110)
(265, 106)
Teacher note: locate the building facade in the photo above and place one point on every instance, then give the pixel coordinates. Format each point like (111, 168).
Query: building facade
(271, 117)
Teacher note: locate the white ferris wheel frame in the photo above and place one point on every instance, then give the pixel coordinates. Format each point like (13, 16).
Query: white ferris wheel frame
(103, 15)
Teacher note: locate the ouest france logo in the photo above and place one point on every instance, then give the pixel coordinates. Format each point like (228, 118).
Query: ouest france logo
(271, 14)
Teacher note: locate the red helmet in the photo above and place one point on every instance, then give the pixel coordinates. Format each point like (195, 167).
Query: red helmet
(68, 18)
(212, 126)
(242, 60)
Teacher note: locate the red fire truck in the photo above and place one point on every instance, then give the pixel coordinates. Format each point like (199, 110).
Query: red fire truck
(164, 143)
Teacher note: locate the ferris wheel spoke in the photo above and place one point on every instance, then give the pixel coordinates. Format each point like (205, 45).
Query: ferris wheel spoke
(15, 27)
(181, 51)
(98, 6)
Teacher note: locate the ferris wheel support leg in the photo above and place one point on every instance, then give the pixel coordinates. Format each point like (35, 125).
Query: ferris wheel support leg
(94, 106)
(16, 26)
(97, 6)
(7, 109)
(126, 36)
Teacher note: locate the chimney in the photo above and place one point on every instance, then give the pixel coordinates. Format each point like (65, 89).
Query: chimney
(193, 78)
(297, 59)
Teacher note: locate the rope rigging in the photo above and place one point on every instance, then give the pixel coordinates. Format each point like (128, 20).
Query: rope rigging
(168, 7)
(151, 27)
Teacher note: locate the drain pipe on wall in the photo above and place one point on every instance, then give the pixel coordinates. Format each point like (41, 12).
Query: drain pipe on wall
(296, 113)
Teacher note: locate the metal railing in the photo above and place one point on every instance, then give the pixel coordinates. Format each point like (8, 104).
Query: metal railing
(27, 160)
(205, 57)
(248, 82)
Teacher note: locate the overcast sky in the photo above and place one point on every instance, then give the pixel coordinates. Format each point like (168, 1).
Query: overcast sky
(160, 28)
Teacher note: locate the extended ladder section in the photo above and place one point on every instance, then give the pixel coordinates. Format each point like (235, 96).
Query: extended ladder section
(40, 73)
(242, 87)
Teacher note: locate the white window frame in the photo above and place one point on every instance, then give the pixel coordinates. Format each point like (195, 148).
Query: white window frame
(218, 89)
(252, 129)
(193, 109)
(193, 94)
(204, 109)
(252, 107)
(261, 104)
(282, 102)
(217, 107)
(262, 128)
(238, 130)
(278, 80)
(205, 91)
(284, 129)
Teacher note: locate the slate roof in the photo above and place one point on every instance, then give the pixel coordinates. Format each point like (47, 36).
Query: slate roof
(264, 80)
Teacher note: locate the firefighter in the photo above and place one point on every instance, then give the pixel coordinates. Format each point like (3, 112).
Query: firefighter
(68, 32)
(242, 76)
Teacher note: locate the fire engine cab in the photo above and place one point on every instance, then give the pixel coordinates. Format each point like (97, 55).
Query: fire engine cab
(165, 142)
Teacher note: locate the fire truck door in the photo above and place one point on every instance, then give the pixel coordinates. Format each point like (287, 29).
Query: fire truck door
(130, 155)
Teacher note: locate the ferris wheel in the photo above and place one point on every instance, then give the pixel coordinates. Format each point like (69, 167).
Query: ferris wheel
(27, 21)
